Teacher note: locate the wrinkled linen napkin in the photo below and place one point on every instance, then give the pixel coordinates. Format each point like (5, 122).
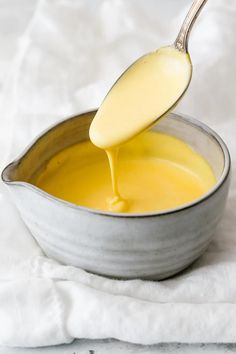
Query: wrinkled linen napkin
(70, 54)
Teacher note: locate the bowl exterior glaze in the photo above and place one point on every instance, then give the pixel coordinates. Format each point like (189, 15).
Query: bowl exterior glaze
(153, 246)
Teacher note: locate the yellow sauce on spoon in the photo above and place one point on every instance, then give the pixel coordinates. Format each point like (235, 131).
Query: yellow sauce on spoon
(143, 94)
(145, 91)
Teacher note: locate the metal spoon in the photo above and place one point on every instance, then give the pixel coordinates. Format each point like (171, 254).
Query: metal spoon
(181, 45)
(181, 42)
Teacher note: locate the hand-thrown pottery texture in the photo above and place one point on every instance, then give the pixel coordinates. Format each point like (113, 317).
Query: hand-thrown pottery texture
(148, 246)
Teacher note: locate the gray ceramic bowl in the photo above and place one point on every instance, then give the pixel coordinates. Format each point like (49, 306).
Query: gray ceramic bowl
(150, 246)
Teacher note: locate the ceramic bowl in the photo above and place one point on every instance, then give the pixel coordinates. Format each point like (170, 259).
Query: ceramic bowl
(148, 246)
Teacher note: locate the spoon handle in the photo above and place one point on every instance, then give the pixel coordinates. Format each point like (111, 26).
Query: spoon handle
(181, 42)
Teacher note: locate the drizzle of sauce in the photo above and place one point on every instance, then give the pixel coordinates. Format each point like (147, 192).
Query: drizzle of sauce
(116, 202)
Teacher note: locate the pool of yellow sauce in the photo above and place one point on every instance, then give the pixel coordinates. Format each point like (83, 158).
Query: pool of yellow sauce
(155, 172)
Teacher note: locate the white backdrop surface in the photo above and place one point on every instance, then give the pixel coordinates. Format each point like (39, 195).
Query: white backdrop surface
(67, 58)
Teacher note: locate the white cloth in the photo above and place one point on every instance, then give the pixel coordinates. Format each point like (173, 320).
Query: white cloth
(68, 57)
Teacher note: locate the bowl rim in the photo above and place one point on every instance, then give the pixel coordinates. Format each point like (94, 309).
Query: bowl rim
(177, 116)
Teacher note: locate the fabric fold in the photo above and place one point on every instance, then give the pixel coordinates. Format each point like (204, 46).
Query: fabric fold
(32, 314)
(138, 321)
